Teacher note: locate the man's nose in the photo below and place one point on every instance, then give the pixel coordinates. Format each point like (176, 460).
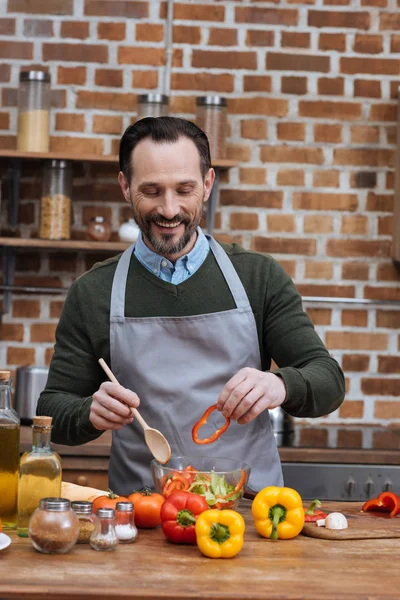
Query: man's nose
(169, 206)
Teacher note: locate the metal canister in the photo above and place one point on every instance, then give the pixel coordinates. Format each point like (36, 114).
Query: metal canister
(211, 117)
(152, 105)
(34, 111)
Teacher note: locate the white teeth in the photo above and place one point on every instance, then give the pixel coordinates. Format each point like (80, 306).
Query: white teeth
(168, 225)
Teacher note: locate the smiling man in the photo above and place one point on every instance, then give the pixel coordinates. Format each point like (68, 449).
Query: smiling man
(185, 323)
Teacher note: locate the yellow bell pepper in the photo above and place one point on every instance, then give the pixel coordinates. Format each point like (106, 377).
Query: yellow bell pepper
(219, 533)
(278, 513)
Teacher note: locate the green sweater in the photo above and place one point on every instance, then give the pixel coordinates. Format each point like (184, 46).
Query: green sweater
(314, 381)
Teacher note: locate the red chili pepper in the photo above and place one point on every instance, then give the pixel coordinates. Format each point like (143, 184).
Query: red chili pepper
(202, 421)
(311, 514)
(179, 514)
(385, 502)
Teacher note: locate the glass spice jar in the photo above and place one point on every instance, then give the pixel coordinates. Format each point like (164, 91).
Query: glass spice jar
(125, 527)
(152, 105)
(211, 117)
(84, 512)
(104, 537)
(55, 203)
(99, 229)
(53, 527)
(34, 110)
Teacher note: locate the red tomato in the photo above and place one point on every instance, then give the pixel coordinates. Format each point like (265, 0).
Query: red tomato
(108, 501)
(147, 508)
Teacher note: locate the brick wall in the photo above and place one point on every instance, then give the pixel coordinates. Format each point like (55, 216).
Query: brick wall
(312, 111)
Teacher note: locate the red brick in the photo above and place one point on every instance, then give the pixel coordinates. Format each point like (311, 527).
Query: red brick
(43, 332)
(363, 179)
(266, 16)
(352, 409)
(5, 71)
(75, 52)
(382, 293)
(213, 59)
(20, 356)
(332, 41)
(390, 180)
(111, 31)
(320, 316)
(278, 61)
(388, 364)
(56, 308)
(356, 271)
(367, 89)
(388, 271)
(145, 79)
(355, 362)
(55, 7)
(62, 262)
(185, 34)
(4, 120)
(251, 198)
(290, 177)
(295, 39)
(388, 318)
(374, 66)
(75, 29)
(256, 83)
(77, 145)
(368, 44)
(380, 202)
(389, 409)
(252, 175)
(354, 318)
(286, 154)
(347, 340)
(239, 152)
(70, 122)
(106, 101)
(389, 21)
(347, 111)
(318, 224)
(373, 386)
(291, 131)
(289, 266)
(294, 85)
(222, 37)
(328, 133)
(117, 8)
(8, 142)
(273, 107)
(383, 112)
(149, 32)
(339, 19)
(300, 246)
(391, 134)
(281, 223)
(247, 221)
(259, 37)
(130, 55)
(355, 225)
(195, 12)
(182, 105)
(318, 270)
(205, 82)
(395, 45)
(320, 201)
(48, 353)
(37, 28)
(16, 50)
(71, 75)
(365, 248)
(109, 77)
(367, 157)
(26, 309)
(11, 332)
(107, 124)
(326, 179)
(331, 86)
(326, 290)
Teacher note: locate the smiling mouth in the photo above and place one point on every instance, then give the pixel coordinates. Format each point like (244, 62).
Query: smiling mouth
(167, 225)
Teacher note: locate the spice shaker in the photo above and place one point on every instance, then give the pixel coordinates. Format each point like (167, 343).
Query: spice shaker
(152, 105)
(211, 117)
(99, 229)
(84, 512)
(34, 109)
(53, 527)
(55, 203)
(104, 536)
(125, 527)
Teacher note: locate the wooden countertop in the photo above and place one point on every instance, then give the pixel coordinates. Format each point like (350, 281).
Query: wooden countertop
(300, 569)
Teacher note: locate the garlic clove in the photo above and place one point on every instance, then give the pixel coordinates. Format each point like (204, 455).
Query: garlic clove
(336, 520)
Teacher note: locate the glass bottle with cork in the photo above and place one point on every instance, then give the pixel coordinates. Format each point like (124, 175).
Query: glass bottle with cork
(39, 474)
(9, 454)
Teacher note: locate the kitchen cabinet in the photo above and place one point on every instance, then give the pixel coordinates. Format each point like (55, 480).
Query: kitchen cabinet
(153, 569)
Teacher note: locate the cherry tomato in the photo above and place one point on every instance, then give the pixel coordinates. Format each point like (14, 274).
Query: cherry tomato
(147, 507)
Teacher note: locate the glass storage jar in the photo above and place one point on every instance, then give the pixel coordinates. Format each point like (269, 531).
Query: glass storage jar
(99, 229)
(53, 527)
(211, 117)
(104, 537)
(55, 203)
(33, 113)
(125, 527)
(152, 105)
(84, 512)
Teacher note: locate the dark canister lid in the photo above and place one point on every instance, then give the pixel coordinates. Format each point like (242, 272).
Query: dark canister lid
(211, 101)
(82, 506)
(153, 98)
(98, 219)
(55, 504)
(34, 76)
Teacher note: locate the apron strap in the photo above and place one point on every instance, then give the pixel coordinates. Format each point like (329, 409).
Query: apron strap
(117, 306)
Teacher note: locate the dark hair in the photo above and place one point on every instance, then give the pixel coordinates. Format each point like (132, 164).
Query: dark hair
(162, 129)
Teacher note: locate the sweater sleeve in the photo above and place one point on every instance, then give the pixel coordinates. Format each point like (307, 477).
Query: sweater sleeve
(74, 375)
(314, 381)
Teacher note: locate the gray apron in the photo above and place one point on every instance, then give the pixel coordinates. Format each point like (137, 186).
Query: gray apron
(178, 367)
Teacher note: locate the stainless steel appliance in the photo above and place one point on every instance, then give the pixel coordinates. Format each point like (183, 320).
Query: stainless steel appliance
(30, 382)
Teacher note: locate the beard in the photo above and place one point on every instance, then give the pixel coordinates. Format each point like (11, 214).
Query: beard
(165, 244)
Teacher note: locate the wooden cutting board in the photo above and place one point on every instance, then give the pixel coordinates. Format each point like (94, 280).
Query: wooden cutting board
(361, 525)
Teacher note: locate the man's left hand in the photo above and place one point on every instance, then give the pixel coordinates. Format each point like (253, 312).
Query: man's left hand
(249, 393)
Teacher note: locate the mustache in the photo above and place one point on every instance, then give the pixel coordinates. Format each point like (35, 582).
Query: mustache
(157, 218)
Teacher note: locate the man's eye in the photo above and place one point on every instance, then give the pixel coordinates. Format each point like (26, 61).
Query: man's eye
(184, 191)
(151, 192)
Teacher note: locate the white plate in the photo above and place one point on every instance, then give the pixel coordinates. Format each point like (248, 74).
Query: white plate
(4, 541)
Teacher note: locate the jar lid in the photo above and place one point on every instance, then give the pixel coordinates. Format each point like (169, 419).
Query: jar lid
(153, 98)
(105, 513)
(34, 76)
(55, 504)
(42, 421)
(4, 375)
(124, 506)
(82, 506)
(211, 101)
(98, 219)
(58, 164)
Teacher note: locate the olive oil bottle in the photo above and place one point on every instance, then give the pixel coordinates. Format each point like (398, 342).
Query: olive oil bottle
(9, 454)
(39, 474)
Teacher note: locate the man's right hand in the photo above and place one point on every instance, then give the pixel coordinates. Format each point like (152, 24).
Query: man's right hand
(111, 406)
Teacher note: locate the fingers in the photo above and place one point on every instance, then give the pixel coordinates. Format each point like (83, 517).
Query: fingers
(111, 406)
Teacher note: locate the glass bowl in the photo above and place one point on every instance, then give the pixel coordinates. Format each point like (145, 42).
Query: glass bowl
(221, 481)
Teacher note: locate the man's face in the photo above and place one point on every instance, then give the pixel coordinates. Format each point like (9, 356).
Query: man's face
(167, 194)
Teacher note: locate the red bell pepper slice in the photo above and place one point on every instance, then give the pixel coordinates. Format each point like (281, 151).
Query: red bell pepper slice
(385, 502)
(312, 514)
(175, 483)
(202, 421)
(179, 514)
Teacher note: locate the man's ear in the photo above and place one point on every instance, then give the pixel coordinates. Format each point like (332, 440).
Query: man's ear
(123, 182)
(208, 183)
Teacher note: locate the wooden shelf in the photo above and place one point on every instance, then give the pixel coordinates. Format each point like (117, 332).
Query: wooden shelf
(222, 163)
(85, 245)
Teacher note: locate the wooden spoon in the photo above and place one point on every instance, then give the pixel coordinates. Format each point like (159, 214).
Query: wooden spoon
(156, 442)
